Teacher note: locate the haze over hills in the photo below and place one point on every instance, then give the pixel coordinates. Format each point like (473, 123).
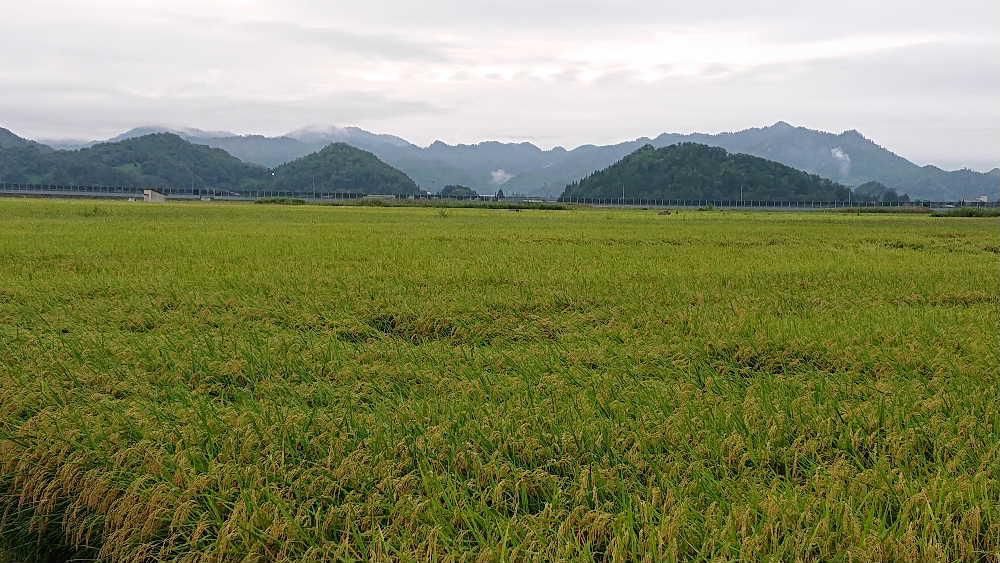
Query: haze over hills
(694, 171)
(142, 131)
(848, 158)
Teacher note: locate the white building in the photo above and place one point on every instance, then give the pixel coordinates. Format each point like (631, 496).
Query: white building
(153, 196)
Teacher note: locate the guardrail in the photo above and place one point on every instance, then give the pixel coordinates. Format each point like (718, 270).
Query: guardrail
(124, 192)
(95, 191)
(768, 204)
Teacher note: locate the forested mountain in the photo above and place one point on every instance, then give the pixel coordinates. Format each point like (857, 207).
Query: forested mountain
(693, 171)
(265, 151)
(166, 160)
(343, 168)
(161, 159)
(428, 171)
(848, 158)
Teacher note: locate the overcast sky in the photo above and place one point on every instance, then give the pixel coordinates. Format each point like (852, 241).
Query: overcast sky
(921, 78)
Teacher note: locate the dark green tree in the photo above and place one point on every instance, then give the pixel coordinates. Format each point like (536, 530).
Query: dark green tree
(876, 191)
(457, 191)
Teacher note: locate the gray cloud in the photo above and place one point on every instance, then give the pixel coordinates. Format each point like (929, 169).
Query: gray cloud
(788, 17)
(41, 108)
(921, 81)
(341, 41)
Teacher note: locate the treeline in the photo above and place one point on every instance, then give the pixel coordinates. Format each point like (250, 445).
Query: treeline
(875, 191)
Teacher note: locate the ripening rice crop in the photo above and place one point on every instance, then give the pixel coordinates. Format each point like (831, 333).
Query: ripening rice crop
(212, 382)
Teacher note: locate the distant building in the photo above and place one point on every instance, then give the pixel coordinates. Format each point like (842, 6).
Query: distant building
(153, 196)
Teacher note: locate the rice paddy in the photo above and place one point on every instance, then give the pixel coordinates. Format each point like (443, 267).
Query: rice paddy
(213, 382)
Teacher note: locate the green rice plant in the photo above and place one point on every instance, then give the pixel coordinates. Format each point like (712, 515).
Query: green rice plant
(308, 383)
(280, 201)
(893, 209)
(450, 204)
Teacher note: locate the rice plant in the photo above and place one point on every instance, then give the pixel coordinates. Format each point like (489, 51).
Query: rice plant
(206, 382)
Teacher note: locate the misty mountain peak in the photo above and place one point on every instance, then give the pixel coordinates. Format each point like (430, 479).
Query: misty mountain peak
(183, 132)
(313, 133)
(334, 133)
(319, 129)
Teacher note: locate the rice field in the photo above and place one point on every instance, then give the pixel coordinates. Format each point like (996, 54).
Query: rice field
(214, 382)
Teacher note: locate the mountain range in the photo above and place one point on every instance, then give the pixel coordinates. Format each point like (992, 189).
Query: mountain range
(848, 158)
(167, 160)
